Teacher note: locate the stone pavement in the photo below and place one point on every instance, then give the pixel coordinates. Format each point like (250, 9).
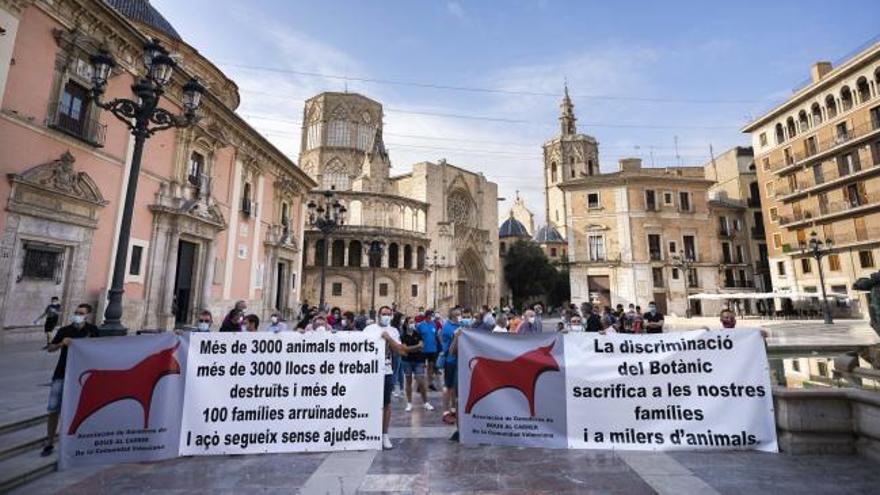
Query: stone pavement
(424, 461)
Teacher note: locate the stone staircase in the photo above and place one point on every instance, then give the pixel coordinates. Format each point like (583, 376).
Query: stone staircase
(20, 445)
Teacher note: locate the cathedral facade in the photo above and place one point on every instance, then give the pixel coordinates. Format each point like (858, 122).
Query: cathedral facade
(432, 231)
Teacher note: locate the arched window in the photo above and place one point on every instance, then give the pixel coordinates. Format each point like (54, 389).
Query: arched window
(420, 258)
(571, 167)
(335, 176)
(553, 172)
(780, 134)
(846, 98)
(816, 110)
(407, 257)
(355, 250)
(831, 106)
(863, 89)
(792, 130)
(373, 259)
(803, 122)
(590, 167)
(393, 256)
(338, 256)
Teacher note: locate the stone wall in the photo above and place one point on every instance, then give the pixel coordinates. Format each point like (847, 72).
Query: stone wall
(828, 421)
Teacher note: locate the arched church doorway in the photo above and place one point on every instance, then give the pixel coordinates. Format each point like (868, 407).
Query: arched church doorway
(470, 289)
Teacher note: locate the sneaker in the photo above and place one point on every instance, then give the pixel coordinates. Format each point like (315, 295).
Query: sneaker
(386, 442)
(408, 407)
(428, 406)
(395, 393)
(47, 451)
(454, 437)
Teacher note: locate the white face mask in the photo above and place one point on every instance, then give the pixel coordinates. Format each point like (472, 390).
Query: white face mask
(274, 319)
(385, 320)
(77, 319)
(577, 328)
(344, 322)
(204, 326)
(531, 319)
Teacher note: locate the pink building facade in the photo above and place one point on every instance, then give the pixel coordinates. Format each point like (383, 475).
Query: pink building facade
(219, 210)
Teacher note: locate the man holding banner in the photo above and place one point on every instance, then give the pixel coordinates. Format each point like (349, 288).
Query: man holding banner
(391, 336)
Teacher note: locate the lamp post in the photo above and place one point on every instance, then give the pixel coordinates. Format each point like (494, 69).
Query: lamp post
(327, 215)
(144, 118)
(814, 248)
(683, 261)
(374, 253)
(434, 266)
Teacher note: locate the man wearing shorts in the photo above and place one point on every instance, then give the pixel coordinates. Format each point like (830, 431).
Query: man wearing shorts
(387, 332)
(414, 366)
(427, 329)
(77, 329)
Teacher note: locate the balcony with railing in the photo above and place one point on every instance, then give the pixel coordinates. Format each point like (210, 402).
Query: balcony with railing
(827, 211)
(830, 144)
(828, 180)
(281, 235)
(89, 130)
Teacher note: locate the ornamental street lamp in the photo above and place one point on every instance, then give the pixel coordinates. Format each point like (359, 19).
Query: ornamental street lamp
(374, 253)
(326, 216)
(814, 248)
(434, 266)
(144, 118)
(683, 261)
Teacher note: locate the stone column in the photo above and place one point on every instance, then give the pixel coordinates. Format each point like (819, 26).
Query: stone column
(164, 312)
(208, 278)
(345, 245)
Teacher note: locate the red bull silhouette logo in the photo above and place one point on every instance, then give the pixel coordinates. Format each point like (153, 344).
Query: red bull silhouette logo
(104, 387)
(521, 373)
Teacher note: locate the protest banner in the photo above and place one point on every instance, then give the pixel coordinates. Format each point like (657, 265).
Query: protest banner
(156, 397)
(282, 392)
(122, 399)
(675, 391)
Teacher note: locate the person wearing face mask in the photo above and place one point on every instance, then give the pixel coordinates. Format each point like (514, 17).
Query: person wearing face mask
(450, 363)
(318, 324)
(78, 328)
(728, 318)
(653, 319)
(575, 324)
(529, 323)
(239, 308)
(205, 320)
(539, 318)
(346, 323)
(276, 324)
(384, 330)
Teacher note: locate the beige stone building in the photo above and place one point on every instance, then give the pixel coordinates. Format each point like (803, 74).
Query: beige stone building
(736, 203)
(437, 223)
(817, 157)
(624, 228)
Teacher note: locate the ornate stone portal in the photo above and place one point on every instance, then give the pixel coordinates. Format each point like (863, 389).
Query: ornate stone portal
(45, 245)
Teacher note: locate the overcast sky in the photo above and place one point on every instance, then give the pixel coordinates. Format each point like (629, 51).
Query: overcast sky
(479, 83)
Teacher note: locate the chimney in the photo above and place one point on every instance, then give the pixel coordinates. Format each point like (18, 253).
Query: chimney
(630, 164)
(819, 70)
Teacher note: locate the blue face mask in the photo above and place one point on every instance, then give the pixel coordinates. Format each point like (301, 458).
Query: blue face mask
(465, 321)
(385, 320)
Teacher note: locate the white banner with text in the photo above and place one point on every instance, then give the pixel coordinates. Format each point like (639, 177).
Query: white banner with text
(674, 391)
(131, 399)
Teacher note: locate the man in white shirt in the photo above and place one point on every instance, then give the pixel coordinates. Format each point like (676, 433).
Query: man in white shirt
(500, 324)
(391, 336)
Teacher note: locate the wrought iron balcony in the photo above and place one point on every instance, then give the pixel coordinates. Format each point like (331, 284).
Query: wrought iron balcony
(89, 130)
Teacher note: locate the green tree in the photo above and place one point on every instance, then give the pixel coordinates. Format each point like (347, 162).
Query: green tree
(528, 272)
(561, 292)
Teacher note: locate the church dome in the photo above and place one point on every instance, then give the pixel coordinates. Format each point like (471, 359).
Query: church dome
(548, 234)
(141, 11)
(512, 228)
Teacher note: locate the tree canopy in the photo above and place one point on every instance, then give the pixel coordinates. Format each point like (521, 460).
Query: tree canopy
(530, 274)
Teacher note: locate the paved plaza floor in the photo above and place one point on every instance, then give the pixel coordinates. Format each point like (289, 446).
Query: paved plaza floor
(425, 461)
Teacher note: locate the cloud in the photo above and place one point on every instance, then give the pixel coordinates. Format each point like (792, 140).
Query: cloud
(456, 10)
